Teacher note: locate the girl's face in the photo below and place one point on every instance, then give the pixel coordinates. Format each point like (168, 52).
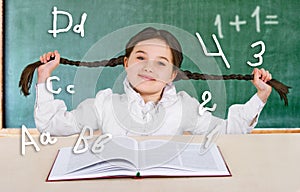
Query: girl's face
(149, 67)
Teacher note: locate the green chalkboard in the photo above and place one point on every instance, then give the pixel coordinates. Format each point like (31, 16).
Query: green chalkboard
(273, 25)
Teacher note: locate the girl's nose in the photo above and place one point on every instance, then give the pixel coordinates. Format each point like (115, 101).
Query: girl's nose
(148, 67)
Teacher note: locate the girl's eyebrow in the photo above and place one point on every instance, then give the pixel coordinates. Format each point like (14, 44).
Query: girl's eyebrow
(164, 58)
(143, 52)
(140, 51)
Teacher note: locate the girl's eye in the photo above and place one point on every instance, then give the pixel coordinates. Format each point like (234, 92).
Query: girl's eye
(140, 58)
(161, 63)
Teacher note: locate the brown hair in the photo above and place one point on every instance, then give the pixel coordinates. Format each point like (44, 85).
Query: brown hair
(176, 50)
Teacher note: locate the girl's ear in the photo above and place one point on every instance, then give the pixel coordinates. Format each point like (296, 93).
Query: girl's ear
(174, 74)
(125, 62)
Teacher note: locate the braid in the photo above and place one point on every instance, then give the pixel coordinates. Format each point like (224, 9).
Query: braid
(197, 76)
(281, 88)
(27, 75)
(105, 63)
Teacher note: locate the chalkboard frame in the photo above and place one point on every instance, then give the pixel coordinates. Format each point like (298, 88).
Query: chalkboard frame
(1, 65)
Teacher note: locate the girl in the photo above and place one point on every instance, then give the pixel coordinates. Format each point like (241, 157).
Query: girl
(150, 105)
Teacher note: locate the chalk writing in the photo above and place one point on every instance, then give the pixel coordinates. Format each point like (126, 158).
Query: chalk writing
(45, 139)
(79, 28)
(218, 23)
(258, 55)
(69, 88)
(82, 143)
(209, 138)
(238, 22)
(270, 19)
(270, 22)
(206, 97)
(82, 140)
(99, 143)
(220, 53)
(256, 15)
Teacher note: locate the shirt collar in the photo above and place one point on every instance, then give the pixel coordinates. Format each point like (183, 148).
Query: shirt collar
(168, 97)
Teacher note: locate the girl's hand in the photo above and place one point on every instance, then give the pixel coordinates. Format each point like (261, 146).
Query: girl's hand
(44, 71)
(261, 76)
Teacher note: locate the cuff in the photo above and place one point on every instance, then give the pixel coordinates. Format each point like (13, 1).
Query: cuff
(42, 94)
(254, 106)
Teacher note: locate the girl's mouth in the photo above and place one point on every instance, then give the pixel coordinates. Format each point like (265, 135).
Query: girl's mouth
(146, 77)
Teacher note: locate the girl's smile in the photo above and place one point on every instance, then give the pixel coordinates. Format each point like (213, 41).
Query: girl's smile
(146, 77)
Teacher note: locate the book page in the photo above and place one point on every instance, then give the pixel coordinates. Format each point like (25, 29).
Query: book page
(120, 152)
(60, 171)
(154, 153)
(191, 159)
(171, 158)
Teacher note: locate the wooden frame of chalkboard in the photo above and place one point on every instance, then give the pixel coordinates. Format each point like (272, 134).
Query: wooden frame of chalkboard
(1, 66)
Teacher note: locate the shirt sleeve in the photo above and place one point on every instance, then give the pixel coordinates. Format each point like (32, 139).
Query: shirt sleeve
(51, 114)
(242, 118)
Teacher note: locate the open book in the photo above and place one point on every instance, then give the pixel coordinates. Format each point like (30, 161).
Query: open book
(126, 157)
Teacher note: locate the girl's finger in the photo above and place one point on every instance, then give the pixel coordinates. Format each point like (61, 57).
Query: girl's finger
(263, 74)
(41, 59)
(48, 56)
(267, 76)
(257, 74)
(56, 56)
(44, 58)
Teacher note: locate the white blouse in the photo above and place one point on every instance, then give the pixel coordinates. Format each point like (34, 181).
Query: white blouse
(128, 114)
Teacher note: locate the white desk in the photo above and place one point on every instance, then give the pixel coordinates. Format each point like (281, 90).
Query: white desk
(257, 162)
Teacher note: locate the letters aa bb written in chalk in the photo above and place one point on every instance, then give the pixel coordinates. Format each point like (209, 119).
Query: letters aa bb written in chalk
(81, 145)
